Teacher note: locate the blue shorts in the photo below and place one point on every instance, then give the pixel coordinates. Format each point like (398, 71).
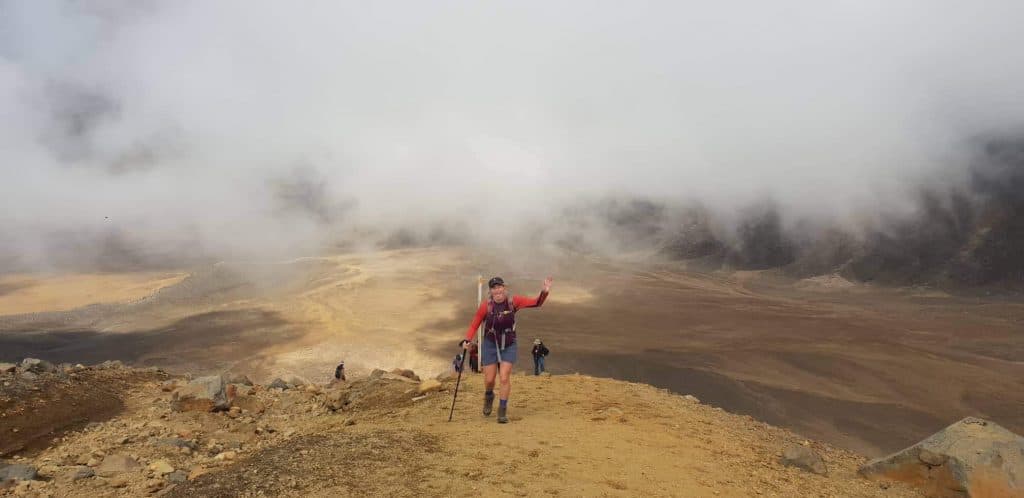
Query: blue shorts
(489, 355)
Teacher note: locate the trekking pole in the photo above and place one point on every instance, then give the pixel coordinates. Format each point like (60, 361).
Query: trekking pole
(462, 364)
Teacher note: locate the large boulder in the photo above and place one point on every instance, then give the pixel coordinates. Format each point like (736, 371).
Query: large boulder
(205, 394)
(7, 367)
(972, 457)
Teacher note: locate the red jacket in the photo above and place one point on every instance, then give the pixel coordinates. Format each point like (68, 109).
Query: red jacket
(519, 302)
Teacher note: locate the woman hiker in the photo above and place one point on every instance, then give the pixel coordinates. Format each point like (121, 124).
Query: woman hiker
(498, 313)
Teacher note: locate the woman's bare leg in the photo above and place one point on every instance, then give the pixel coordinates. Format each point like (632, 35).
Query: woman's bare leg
(506, 380)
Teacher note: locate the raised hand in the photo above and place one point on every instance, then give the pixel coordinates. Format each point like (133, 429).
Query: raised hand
(547, 284)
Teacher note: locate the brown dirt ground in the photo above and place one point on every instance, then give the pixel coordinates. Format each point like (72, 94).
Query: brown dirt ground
(570, 435)
(33, 415)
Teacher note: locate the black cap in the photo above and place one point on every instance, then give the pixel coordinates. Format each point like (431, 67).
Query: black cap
(495, 281)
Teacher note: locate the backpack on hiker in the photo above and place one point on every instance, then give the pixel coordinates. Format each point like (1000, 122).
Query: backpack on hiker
(500, 322)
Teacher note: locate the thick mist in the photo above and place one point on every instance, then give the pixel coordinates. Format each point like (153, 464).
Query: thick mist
(148, 133)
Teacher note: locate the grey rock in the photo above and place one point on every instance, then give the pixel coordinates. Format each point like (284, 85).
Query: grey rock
(805, 458)
(175, 442)
(37, 366)
(77, 473)
(177, 477)
(17, 472)
(972, 457)
(278, 384)
(204, 394)
(29, 376)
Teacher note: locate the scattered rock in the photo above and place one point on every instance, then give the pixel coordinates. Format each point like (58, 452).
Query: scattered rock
(169, 385)
(249, 404)
(377, 373)
(205, 394)
(278, 384)
(405, 372)
(177, 477)
(118, 482)
(610, 413)
(196, 472)
(973, 457)
(110, 365)
(116, 464)
(242, 380)
(37, 366)
(77, 473)
(295, 380)
(226, 455)
(337, 400)
(154, 485)
(17, 472)
(161, 467)
(399, 378)
(691, 398)
(29, 376)
(799, 456)
(429, 385)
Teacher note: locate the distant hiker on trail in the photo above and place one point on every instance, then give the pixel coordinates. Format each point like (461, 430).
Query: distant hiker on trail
(498, 313)
(474, 359)
(457, 363)
(540, 351)
(339, 372)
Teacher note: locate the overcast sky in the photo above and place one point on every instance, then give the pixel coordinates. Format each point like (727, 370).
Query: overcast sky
(244, 123)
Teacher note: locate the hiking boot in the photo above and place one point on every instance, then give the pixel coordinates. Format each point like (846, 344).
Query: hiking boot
(502, 419)
(488, 404)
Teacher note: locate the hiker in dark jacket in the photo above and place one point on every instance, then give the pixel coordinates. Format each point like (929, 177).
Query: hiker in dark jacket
(540, 351)
(474, 359)
(499, 345)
